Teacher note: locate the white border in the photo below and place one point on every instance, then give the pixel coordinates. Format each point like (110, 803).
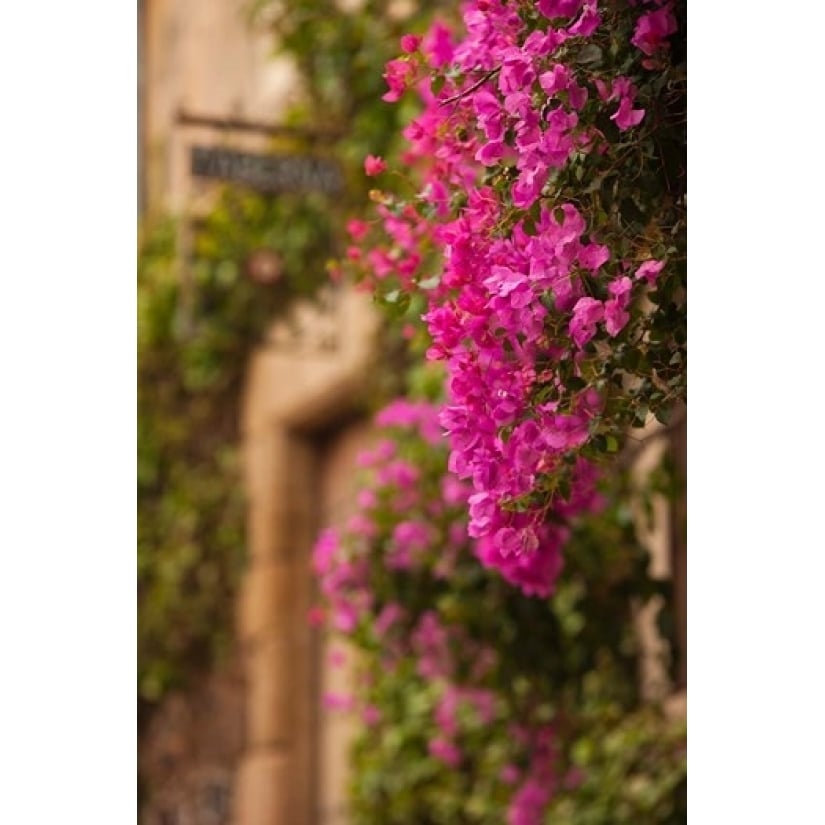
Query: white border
(755, 456)
(68, 412)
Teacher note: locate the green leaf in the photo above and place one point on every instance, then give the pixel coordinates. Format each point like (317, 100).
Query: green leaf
(590, 54)
(663, 415)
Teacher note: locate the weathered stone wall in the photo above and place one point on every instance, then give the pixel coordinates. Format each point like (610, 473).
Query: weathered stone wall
(190, 751)
(202, 56)
(665, 539)
(297, 478)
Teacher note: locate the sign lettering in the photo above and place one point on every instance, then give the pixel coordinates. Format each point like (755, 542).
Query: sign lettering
(268, 173)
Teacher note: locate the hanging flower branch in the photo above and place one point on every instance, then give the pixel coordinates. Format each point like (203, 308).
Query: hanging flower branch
(546, 232)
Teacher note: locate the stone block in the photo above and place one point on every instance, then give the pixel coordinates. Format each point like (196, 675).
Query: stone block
(271, 695)
(267, 606)
(263, 793)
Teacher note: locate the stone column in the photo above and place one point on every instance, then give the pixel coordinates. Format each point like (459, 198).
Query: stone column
(295, 388)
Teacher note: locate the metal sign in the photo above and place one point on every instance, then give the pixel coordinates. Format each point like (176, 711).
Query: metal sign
(268, 173)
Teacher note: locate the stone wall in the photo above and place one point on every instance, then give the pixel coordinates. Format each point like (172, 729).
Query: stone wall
(190, 751)
(204, 57)
(297, 477)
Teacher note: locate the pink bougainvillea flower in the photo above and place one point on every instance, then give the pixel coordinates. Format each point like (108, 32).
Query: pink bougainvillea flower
(446, 712)
(357, 229)
(527, 806)
(593, 256)
(374, 165)
(588, 22)
(615, 317)
(366, 499)
(361, 525)
(603, 89)
(345, 618)
(371, 716)
(326, 548)
(399, 74)
(577, 96)
(650, 270)
(390, 614)
(438, 45)
(517, 73)
(535, 573)
(445, 751)
(491, 153)
(626, 116)
(410, 43)
(653, 29)
(338, 701)
(509, 774)
(559, 8)
(528, 187)
(620, 289)
(556, 79)
(586, 314)
(316, 616)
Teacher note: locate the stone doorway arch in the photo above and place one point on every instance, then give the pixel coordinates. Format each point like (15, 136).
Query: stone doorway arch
(303, 386)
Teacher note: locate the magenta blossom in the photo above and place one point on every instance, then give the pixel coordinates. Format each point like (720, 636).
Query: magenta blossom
(374, 165)
(438, 45)
(586, 314)
(399, 75)
(649, 271)
(653, 29)
(445, 751)
(626, 116)
(410, 43)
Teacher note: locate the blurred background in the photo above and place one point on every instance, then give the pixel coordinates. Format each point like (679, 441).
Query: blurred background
(257, 376)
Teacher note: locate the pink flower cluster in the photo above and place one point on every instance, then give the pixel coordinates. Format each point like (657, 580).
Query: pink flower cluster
(426, 533)
(530, 801)
(481, 703)
(410, 519)
(343, 581)
(512, 308)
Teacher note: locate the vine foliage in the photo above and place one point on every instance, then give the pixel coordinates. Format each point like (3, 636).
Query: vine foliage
(196, 329)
